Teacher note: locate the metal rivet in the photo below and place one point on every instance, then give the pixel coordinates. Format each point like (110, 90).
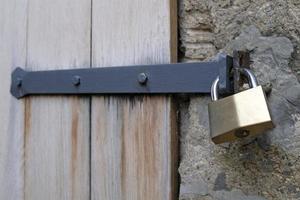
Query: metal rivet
(19, 82)
(142, 78)
(76, 80)
(242, 133)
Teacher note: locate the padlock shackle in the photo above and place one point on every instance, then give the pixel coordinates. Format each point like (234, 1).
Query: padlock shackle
(252, 81)
(214, 89)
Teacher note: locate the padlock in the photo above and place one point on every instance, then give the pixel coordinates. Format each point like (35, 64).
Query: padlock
(241, 115)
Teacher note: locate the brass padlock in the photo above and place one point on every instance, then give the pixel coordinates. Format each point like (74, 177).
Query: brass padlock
(241, 115)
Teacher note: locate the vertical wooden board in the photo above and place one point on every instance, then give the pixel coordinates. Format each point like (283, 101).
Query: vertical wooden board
(57, 128)
(134, 139)
(12, 53)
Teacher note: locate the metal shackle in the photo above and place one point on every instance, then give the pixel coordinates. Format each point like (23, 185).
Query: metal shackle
(252, 81)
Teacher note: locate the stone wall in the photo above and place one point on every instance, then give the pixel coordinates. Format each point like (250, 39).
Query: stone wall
(267, 167)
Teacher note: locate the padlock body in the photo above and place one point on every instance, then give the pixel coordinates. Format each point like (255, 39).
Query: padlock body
(243, 114)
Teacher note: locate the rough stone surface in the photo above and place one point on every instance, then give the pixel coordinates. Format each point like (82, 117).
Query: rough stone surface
(214, 23)
(267, 167)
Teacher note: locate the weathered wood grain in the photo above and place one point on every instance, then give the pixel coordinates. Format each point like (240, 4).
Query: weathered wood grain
(12, 53)
(134, 139)
(57, 128)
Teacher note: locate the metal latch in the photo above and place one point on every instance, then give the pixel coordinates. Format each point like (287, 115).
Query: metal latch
(243, 114)
(146, 79)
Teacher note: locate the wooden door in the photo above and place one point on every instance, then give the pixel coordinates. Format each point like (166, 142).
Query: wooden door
(79, 147)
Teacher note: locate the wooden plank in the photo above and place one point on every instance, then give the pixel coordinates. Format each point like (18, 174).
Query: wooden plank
(12, 53)
(134, 139)
(57, 128)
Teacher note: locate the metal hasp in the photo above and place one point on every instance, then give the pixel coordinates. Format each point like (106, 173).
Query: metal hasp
(145, 79)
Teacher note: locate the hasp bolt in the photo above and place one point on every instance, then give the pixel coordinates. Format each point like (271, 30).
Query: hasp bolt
(76, 80)
(19, 82)
(142, 78)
